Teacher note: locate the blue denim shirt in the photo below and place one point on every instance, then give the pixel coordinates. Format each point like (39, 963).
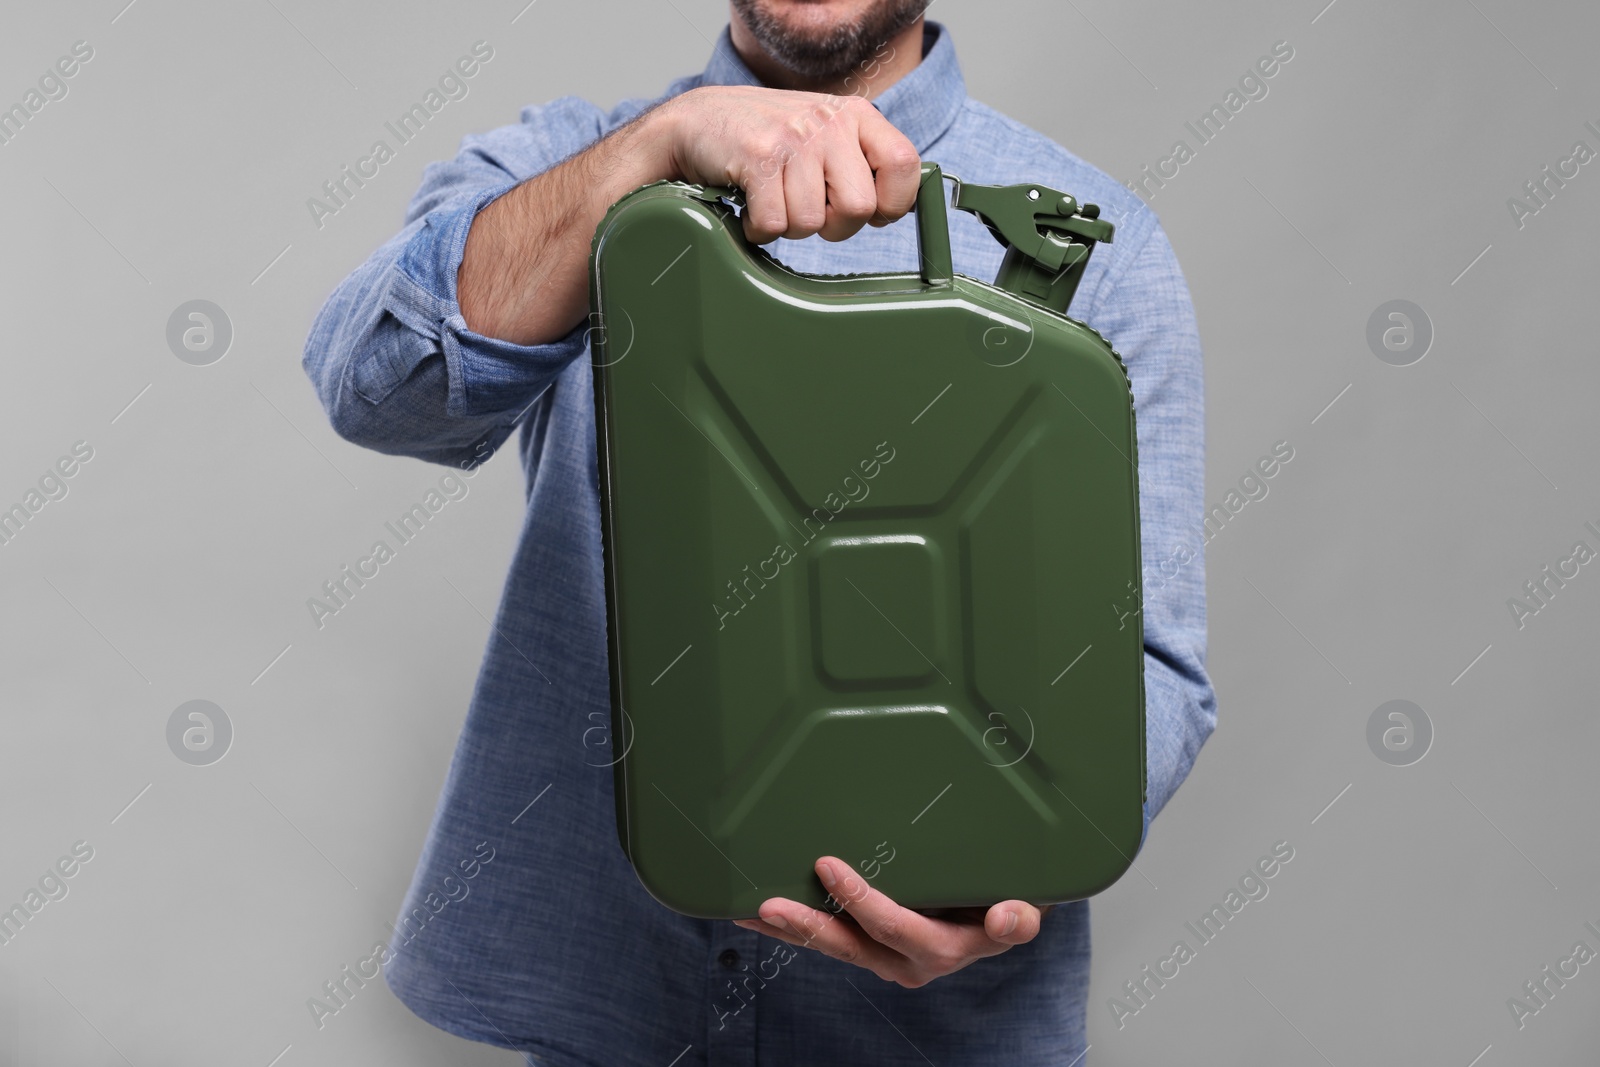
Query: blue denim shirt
(551, 945)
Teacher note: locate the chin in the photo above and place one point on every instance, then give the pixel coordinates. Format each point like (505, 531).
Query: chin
(825, 38)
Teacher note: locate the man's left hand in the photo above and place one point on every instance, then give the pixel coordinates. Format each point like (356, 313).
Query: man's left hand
(895, 943)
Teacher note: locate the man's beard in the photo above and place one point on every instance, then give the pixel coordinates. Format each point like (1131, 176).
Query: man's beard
(836, 51)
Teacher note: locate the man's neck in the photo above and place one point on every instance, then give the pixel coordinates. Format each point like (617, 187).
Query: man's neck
(889, 64)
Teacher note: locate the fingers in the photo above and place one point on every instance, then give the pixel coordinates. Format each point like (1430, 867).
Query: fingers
(852, 194)
(761, 926)
(766, 216)
(895, 943)
(935, 946)
(798, 925)
(805, 196)
(1007, 924)
(896, 166)
(827, 934)
(825, 168)
(900, 929)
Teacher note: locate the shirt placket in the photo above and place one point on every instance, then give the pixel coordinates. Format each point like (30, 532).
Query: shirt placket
(734, 996)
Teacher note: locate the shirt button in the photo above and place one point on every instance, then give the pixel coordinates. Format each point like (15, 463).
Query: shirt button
(729, 958)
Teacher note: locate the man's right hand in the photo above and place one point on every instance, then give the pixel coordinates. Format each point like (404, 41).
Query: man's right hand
(808, 163)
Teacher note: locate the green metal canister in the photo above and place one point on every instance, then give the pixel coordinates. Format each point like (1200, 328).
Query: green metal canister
(844, 635)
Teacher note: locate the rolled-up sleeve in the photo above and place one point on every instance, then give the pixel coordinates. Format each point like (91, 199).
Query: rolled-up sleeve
(1143, 309)
(392, 360)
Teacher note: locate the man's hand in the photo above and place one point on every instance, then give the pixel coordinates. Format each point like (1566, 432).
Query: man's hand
(894, 943)
(808, 163)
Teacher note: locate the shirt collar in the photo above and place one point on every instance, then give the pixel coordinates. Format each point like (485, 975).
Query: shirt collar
(921, 105)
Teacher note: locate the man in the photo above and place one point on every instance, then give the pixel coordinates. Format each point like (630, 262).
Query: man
(471, 322)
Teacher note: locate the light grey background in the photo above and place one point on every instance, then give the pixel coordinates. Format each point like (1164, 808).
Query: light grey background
(1378, 567)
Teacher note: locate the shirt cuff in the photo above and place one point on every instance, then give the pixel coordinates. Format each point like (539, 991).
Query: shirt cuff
(486, 375)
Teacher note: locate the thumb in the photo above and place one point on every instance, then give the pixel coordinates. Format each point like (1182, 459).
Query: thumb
(1012, 922)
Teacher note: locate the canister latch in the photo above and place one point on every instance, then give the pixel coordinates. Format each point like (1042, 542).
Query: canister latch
(1048, 237)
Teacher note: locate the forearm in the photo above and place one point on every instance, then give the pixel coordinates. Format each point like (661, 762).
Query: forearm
(390, 355)
(524, 273)
(438, 343)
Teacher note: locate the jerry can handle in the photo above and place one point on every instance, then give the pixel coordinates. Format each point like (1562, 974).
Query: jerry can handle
(933, 223)
(933, 227)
